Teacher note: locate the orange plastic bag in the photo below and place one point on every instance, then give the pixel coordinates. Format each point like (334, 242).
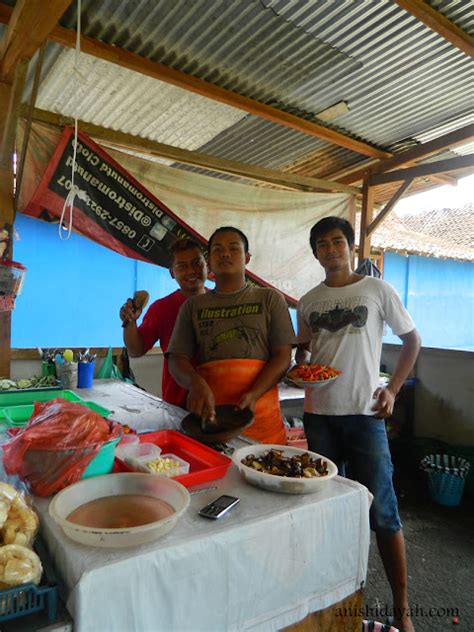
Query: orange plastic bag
(56, 446)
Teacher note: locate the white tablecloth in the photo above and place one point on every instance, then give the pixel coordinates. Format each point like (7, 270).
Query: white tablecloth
(267, 564)
(130, 405)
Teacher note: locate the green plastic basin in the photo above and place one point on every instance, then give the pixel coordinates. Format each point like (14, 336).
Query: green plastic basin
(103, 462)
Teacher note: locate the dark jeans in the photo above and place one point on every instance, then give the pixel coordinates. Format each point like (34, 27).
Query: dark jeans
(361, 442)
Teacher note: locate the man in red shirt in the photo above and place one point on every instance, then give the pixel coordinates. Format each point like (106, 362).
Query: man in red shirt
(189, 268)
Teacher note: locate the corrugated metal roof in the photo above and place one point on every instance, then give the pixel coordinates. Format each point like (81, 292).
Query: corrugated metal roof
(117, 98)
(395, 73)
(400, 79)
(241, 45)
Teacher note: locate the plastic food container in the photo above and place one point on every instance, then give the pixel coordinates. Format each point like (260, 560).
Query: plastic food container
(274, 483)
(180, 467)
(135, 452)
(128, 439)
(117, 484)
(205, 464)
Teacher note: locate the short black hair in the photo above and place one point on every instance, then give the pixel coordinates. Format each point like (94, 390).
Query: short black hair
(180, 245)
(330, 223)
(229, 229)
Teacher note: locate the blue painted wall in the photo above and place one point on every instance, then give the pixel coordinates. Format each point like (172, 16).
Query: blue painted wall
(73, 291)
(439, 294)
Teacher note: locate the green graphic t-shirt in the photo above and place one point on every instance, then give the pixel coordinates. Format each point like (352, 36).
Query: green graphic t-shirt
(244, 324)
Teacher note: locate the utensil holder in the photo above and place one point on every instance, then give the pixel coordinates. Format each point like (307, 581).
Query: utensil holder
(85, 374)
(67, 374)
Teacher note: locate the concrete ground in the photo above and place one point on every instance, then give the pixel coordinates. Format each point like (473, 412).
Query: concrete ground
(440, 554)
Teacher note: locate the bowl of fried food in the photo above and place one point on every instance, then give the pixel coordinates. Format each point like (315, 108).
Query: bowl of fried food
(281, 468)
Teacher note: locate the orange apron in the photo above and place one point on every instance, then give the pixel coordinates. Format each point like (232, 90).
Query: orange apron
(230, 379)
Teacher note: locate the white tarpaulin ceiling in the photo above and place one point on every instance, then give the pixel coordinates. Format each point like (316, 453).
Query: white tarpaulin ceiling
(277, 222)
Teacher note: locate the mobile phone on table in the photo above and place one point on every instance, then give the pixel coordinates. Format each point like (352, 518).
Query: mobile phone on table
(219, 507)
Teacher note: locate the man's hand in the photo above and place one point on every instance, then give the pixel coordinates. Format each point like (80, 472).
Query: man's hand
(248, 400)
(129, 313)
(384, 401)
(385, 397)
(303, 354)
(201, 401)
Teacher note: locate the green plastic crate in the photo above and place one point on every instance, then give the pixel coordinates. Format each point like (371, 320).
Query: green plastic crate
(97, 408)
(17, 416)
(21, 398)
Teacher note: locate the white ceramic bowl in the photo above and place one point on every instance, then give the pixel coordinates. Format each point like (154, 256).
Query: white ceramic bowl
(311, 384)
(284, 484)
(87, 490)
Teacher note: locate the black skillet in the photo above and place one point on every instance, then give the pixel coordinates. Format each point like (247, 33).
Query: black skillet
(230, 422)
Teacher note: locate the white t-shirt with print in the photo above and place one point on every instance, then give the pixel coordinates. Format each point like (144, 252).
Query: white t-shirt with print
(344, 326)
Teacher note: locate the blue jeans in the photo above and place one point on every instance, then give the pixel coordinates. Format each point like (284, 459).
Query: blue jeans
(361, 442)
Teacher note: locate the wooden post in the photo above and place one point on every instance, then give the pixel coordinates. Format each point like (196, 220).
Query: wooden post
(351, 207)
(6, 221)
(366, 218)
(389, 206)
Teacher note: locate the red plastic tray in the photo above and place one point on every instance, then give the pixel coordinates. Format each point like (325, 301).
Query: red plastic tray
(205, 464)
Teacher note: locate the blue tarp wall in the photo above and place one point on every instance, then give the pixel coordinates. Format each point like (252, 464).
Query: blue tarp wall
(73, 291)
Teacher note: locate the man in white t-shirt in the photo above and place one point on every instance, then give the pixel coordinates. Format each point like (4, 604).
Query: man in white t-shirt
(341, 324)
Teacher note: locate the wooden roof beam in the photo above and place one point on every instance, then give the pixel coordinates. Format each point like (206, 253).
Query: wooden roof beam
(408, 157)
(356, 174)
(11, 114)
(419, 152)
(440, 24)
(7, 215)
(420, 171)
(366, 215)
(137, 63)
(31, 22)
(251, 172)
(389, 206)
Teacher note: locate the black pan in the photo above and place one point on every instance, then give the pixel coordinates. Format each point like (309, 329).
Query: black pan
(231, 421)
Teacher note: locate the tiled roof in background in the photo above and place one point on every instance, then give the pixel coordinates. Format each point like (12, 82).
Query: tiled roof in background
(446, 233)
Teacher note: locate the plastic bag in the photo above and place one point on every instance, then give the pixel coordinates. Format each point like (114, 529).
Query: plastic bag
(109, 370)
(18, 565)
(56, 446)
(368, 268)
(19, 523)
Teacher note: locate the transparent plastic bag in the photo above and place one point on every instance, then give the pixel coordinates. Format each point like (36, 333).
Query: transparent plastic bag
(19, 523)
(54, 449)
(19, 565)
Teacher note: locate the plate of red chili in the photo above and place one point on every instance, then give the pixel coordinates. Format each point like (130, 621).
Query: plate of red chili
(309, 375)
